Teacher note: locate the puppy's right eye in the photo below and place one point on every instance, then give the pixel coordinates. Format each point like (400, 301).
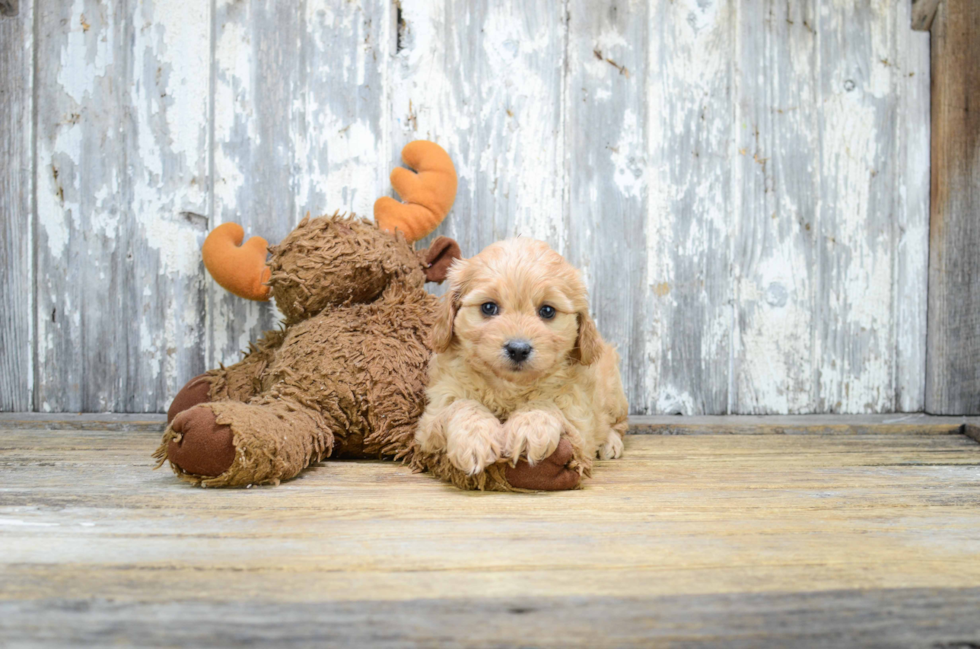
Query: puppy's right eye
(489, 309)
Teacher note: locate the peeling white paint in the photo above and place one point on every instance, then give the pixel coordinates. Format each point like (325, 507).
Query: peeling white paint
(85, 57)
(773, 266)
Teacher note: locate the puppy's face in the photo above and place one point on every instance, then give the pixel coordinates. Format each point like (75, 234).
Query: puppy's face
(517, 310)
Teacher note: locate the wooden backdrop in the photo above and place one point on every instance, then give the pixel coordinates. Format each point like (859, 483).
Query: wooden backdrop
(744, 183)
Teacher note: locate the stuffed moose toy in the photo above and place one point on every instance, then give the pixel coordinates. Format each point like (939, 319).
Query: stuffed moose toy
(345, 374)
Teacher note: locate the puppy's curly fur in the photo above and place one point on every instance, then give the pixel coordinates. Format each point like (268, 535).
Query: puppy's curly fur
(488, 405)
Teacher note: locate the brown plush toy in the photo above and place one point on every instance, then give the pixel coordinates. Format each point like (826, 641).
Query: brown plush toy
(345, 374)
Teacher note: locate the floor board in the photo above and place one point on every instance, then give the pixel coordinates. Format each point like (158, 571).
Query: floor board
(829, 538)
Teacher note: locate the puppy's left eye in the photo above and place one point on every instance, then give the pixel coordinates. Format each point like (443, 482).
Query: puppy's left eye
(547, 312)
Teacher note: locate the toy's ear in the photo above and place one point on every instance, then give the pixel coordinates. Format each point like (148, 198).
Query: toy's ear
(239, 269)
(439, 257)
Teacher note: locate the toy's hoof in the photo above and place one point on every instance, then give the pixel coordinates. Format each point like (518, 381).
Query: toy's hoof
(197, 390)
(203, 447)
(550, 474)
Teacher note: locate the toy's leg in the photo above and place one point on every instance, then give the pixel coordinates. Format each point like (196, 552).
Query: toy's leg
(238, 382)
(198, 445)
(229, 443)
(197, 390)
(554, 473)
(548, 449)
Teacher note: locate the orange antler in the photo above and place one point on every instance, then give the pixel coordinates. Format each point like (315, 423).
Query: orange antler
(428, 193)
(239, 269)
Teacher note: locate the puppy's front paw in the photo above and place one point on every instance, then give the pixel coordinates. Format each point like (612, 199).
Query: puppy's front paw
(612, 449)
(534, 432)
(431, 433)
(474, 443)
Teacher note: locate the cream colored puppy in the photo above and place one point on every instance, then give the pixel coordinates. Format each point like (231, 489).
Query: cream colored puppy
(518, 364)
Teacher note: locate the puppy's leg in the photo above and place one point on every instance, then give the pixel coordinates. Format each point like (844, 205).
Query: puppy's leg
(535, 431)
(612, 448)
(468, 433)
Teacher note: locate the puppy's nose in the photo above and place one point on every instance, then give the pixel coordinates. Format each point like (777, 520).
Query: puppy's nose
(518, 350)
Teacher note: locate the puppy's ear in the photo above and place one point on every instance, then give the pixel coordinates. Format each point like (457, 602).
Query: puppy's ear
(587, 344)
(442, 330)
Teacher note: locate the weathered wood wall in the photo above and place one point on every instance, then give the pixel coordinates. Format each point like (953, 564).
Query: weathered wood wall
(745, 183)
(953, 370)
(16, 207)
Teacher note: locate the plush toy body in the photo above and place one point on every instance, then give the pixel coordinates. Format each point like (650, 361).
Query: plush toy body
(343, 377)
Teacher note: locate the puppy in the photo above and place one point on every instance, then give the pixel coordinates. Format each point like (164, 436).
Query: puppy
(519, 364)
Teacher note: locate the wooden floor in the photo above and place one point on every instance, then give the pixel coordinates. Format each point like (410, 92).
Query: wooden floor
(818, 532)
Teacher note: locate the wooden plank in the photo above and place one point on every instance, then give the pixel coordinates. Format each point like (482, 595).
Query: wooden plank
(703, 327)
(923, 14)
(605, 118)
(972, 430)
(911, 235)
(16, 207)
(749, 539)
(892, 424)
(789, 357)
(687, 326)
(830, 237)
(82, 421)
(855, 229)
(922, 617)
(776, 185)
(82, 238)
(121, 175)
(484, 80)
(168, 161)
(953, 363)
(299, 125)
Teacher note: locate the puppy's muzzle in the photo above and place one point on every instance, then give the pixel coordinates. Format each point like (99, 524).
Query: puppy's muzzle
(518, 351)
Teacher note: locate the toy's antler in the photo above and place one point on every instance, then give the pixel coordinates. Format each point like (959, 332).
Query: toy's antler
(239, 269)
(428, 192)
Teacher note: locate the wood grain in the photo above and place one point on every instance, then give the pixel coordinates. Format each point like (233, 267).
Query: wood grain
(747, 538)
(298, 110)
(937, 617)
(741, 181)
(687, 325)
(923, 13)
(606, 113)
(829, 248)
(892, 424)
(484, 80)
(16, 207)
(911, 227)
(854, 234)
(776, 184)
(953, 367)
(121, 176)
